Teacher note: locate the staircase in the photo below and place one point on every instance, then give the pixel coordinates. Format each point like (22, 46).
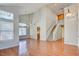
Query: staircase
(49, 30)
(57, 33)
(54, 33)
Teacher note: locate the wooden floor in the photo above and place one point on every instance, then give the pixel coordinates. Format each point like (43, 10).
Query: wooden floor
(9, 51)
(47, 48)
(30, 47)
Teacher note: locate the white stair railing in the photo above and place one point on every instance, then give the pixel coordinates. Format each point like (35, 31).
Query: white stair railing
(49, 30)
(57, 33)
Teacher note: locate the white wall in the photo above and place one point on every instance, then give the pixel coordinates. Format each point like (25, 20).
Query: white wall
(34, 22)
(71, 26)
(15, 42)
(78, 25)
(43, 24)
(61, 22)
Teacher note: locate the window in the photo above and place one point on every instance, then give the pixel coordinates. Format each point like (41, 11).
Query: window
(22, 29)
(6, 26)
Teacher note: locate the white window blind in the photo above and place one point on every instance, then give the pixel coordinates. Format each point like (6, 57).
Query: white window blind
(6, 26)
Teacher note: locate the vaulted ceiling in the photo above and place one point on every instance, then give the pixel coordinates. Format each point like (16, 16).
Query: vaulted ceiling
(58, 8)
(27, 8)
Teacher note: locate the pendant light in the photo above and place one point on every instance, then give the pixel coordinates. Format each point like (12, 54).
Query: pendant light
(69, 13)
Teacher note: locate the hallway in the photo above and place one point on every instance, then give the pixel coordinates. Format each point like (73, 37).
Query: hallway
(47, 48)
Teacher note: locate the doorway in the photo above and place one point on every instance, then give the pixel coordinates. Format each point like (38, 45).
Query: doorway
(62, 28)
(38, 33)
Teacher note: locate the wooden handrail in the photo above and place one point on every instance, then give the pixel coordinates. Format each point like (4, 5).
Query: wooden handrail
(54, 28)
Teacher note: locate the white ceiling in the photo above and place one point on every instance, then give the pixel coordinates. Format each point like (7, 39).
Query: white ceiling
(58, 7)
(27, 8)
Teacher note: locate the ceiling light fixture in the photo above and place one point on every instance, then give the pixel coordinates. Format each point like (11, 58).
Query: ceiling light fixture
(69, 13)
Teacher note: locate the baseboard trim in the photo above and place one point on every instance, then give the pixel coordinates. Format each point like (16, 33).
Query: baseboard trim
(25, 37)
(53, 40)
(70, 44)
